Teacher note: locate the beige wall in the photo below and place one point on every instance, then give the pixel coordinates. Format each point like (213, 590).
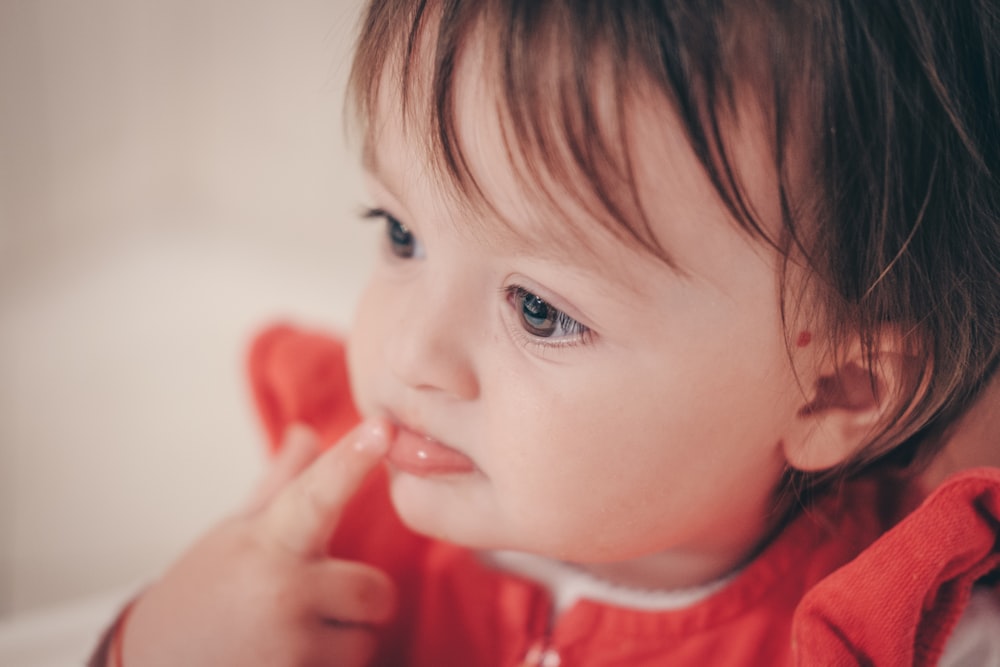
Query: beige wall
(172, 175)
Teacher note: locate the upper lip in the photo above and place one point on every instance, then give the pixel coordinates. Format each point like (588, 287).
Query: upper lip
(413, 426)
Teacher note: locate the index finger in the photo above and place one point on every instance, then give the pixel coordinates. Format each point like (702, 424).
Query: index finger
(302, 516)
(299, 448)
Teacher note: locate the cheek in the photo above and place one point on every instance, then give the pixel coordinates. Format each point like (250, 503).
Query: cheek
(584, 460)
(364, 345)
(571, 465)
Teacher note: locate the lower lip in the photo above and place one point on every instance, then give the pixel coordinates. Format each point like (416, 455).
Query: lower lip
(419, 455)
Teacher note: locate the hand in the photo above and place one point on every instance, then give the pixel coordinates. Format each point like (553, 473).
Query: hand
(259, 589)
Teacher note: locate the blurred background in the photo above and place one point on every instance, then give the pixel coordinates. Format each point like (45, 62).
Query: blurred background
(173, 176)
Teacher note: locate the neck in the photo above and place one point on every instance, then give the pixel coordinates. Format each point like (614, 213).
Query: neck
(975, 440)
(680, 569)
(664, 574)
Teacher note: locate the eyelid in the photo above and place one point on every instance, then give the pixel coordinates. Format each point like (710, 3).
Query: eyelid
(375, 213)
(548, 297)
(583, 337)
(382, 214)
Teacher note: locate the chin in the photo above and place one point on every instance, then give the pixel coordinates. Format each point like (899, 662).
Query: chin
(424, 507)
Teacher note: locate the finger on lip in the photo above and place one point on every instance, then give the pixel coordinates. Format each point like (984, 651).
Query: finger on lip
(304, 514)
(372, 437)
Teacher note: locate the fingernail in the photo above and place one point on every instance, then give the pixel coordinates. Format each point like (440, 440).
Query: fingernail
(372, 438)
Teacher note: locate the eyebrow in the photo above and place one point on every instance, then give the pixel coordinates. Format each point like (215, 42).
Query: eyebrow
(369, 165)
(369, 159)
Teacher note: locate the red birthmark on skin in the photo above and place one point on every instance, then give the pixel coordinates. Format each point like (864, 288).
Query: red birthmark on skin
(804, 338)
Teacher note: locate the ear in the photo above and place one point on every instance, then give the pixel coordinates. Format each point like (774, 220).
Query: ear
(845, 406)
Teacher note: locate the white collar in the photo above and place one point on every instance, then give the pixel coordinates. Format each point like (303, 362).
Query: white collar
(567, 584)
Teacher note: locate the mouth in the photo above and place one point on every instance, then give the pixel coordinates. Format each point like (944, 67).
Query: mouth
(420, 455)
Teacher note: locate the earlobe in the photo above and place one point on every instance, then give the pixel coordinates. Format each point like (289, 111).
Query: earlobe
(843, 410)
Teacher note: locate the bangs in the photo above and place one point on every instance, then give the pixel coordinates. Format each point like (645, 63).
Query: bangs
(565, 76)
(885, 135)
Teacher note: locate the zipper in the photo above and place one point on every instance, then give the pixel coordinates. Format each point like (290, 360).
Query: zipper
(542, 653)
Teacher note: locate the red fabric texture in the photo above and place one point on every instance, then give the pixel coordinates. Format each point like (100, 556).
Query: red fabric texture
(840, 585)
(897, 602)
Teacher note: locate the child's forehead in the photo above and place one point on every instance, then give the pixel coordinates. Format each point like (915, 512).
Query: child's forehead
(572, 166)
(504, 217)
(563, 83)
(521, 198)
(477, 149)
(514, 191)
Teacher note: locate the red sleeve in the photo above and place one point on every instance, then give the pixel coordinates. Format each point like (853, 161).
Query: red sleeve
(897, 603)
(300, 376)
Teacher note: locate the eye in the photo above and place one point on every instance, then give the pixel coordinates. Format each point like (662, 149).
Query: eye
(401, 239)
(402, 242)
(540, 319)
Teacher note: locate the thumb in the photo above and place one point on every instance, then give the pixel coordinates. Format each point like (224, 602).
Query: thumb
(304, 513)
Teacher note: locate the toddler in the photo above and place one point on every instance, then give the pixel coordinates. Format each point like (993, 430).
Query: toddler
(673, 300)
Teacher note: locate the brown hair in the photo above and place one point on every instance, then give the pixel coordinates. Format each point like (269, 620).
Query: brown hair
(896, 100)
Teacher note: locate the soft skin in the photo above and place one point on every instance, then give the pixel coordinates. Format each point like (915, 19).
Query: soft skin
(647, 449)
(265, 571)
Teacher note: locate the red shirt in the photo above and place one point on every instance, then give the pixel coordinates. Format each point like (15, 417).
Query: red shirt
(840, 585)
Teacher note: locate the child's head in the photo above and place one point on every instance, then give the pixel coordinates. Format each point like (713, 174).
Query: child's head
(643, 259)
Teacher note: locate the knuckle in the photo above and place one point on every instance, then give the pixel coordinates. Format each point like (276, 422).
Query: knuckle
(354, 645)
(312, 499)
(375, 594)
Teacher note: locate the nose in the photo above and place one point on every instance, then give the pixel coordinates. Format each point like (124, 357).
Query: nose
(432, 344)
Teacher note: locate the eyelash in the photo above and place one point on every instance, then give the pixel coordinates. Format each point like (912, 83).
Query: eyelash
(576, 333)
(374, 213)
(392, 224)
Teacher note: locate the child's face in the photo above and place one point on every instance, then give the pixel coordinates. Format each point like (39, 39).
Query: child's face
(644, 431)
